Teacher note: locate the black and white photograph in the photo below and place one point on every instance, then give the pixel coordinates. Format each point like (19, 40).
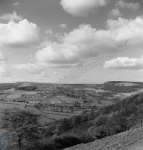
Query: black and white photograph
(71, 74)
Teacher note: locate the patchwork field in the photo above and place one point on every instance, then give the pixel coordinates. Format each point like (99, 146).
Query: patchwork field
(63, 99)
(55, 100)
(9, 95)
(56, 106)
(50, 116)
(8, 105)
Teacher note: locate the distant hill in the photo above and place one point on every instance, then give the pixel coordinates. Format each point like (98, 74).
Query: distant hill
(123, 83)
(6, 86)
(122, 86)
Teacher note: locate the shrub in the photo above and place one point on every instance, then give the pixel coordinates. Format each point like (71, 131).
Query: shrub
(100, 121)
(86, 137)
(47, 145)
(65, 141)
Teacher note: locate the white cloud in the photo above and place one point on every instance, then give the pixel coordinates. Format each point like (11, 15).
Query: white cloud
(125, 63)
(19, 34)
(11, 17)
(55, 53)
(4, 68)
(123, 29)
(81, 43)
(32, 69)
(3, 71)
(81, 7)
(86, 42)
(29, 68)
(63, 26)
(49, 32)
(42, 74)
(54, 72)
(16, 4)
(132, 6)
(3, 59)
(115, 13)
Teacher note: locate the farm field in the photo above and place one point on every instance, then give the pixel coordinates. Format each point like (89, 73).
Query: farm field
(69, 100)
(55, 100)
(58, 105)
(60, 113)
(62, 99)
(14, 94)
(44, 120)
(7, 105)
(50, 116)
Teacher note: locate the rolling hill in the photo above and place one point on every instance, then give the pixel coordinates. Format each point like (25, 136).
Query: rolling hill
(130, 140)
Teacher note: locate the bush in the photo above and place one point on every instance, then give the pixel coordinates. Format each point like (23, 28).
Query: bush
(65, 141)
(86, 138)
(100, 121)
(47, 145)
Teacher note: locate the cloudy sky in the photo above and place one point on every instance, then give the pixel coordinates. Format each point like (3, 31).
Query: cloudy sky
(48, 40)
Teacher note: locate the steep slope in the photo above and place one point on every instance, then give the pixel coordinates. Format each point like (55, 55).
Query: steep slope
(130, 140)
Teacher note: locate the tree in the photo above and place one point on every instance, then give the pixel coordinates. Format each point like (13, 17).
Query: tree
(76, 121)
(22, 124)
(64, 126)
(71, 109)
(91, 131)
(92, 114)
(132, 120)
(100, 124)
(140, 115)
(84, 117)
(100, 121)
(121, 121)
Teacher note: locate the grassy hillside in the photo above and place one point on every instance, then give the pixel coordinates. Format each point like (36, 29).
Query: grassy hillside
(130, 140)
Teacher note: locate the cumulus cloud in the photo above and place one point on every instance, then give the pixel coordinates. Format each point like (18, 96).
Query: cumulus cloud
(123, 29)
(125, 63)
(42, 74)
(115, 13)
(11, 17)
(3, 59)
(131, 6)
(49, 32)
(80, 43)
(16, 4)
(63, 26)
(29, 68)
(55, 53)
(18, 34)
(3, 71)
(32, 69)
(81, 7)
(4, 68)
(86, 42)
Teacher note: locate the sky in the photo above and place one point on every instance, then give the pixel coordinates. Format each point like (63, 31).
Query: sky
(52, 40)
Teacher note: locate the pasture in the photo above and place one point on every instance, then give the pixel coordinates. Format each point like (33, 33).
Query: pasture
(63, 99)
(14, 94)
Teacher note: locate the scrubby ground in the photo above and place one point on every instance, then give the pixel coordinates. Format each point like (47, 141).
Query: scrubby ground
(130, 140)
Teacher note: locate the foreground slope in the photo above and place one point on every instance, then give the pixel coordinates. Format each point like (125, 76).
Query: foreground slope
(130, 140)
